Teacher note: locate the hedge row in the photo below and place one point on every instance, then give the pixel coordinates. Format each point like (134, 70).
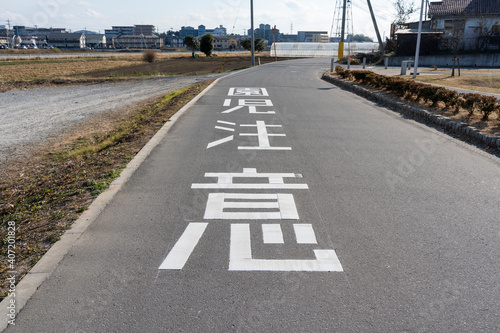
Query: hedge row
(472, 103)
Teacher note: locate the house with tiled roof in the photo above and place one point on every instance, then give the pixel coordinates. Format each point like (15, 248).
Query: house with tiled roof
(469, 24)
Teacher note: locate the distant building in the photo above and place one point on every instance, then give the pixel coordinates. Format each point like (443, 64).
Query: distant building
(225, 43)
(188, 31)
(23, 31)
(67, 40)
(265, 33)
(146, 30)
(138, 42)
(320, 38)
(220, 31)
(307, 36)
(118, 31)
(288, 38)
(96, 41)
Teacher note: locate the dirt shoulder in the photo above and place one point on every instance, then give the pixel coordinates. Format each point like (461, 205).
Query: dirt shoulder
(43, 195)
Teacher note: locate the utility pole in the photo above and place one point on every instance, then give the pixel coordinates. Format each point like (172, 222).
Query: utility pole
(342, 31)
(380, 44)
(417, 52)
(252, 39)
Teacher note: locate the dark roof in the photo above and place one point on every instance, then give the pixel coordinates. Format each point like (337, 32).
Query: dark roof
(65, 35)
(470, 8)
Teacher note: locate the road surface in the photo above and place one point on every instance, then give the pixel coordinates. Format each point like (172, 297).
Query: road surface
(281, 203)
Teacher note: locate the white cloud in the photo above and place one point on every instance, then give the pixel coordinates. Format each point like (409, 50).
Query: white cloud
(84, 3)
(15, 18)
(93, 13)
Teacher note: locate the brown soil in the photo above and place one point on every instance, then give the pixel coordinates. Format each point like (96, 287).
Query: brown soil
(182, 66)
(44, 194)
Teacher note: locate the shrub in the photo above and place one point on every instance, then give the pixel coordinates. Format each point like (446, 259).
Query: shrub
(207, 44)
(471, 102)
(487, 105)
(343, 73)
(149, 56)
(360, 75)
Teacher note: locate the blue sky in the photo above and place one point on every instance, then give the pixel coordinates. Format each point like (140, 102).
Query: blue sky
(98, 15)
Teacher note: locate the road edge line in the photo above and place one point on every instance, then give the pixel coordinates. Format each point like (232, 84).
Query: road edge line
(30, 283)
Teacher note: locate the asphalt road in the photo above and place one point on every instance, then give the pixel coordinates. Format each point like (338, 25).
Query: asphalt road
(361, 221)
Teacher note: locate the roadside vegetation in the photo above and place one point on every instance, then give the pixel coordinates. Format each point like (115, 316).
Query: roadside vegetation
(44, 195)
(477, 110)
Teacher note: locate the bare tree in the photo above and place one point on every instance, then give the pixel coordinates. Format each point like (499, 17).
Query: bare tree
(404, 10)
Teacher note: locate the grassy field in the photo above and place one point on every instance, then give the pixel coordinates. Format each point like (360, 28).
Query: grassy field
(484, 82)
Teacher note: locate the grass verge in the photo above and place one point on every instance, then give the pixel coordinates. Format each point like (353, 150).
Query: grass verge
(47, 194)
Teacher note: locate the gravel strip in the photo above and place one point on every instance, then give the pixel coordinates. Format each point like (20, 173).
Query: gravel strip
(31, 117)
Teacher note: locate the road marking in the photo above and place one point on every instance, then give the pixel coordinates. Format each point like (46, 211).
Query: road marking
(219, 142)
(181, 251)
(227, 102)
(263, 137)
(272, 234)
(283, 203)
(240, 257)
(305, 234)
(248, 92)
(225, 180)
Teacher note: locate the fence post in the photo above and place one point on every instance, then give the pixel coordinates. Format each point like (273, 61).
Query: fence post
(386, 62)
(364, 62)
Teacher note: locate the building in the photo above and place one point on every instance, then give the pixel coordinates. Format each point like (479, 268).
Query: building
(307, 36)
(96, 41)
(118, 31)
(288, 38)
(466, 24)
(138, 42)
(320, 38)
(225, 43)
(220, 31)
(67, 40)
(23, 31)
(265, 33)
(187, 31)
(146, 30)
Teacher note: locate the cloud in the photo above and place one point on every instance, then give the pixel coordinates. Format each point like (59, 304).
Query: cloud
(15, 18)
(84, 3)
(93, 13)
(294, 5)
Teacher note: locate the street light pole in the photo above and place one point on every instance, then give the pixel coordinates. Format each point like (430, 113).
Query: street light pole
(417, 52)
(252, 40)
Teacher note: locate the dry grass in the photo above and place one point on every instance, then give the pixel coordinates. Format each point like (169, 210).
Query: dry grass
(44, 194)
(484, 83)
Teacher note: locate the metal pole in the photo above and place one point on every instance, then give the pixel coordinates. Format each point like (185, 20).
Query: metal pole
(342, 31)
(252, 39)
(380, 44)
(417, 52)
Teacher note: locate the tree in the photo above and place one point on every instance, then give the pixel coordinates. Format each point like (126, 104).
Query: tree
(360, 38)
(192, 42)
(207, 44)
(247, 44)
(403, 12)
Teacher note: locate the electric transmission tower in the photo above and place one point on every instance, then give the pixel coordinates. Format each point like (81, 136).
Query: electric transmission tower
(336, 29)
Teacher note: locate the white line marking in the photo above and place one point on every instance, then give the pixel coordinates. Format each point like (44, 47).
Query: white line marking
(233, 109)
(219, 142)
(227, 102)
(227, 129)
(263, 148)
(240, 257)
(257, 186)
(305, 234)
(284, 203)
(181, 251)
(226, 122)
(272, 234)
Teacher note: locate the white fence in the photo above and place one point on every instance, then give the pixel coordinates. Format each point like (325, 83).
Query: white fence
(317, 50)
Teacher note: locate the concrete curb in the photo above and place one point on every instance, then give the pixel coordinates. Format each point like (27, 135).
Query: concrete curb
(445, 123)
(44, 268)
